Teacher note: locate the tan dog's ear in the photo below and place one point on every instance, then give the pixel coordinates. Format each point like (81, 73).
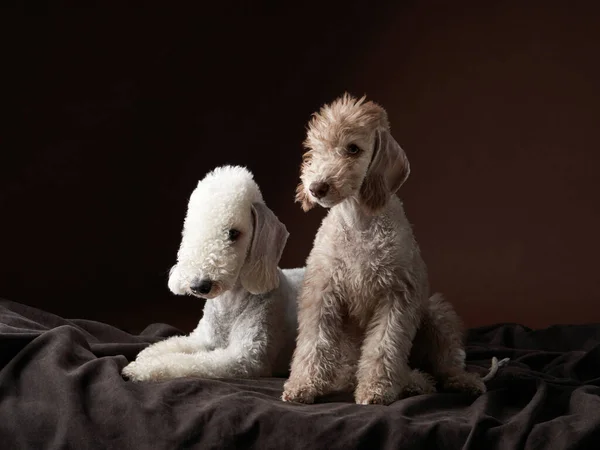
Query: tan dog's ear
(259, 273)
(388, 171)
(303, 198)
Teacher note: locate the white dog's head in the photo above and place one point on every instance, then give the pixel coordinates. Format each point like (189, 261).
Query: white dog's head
(351, 153)
(228, 234)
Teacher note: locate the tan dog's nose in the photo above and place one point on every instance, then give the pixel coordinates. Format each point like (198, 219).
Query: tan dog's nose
(319, 189)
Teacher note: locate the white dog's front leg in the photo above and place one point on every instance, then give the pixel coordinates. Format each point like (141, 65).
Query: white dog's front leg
(201, 339)
(175, 344)
(231, 362)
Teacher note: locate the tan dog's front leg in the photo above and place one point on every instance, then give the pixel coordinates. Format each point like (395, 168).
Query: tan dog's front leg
(383, 370)
(317, 357)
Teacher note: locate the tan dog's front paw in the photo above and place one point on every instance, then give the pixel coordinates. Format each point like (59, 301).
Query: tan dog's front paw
(375, 394)
(465, 382)
(299, 393)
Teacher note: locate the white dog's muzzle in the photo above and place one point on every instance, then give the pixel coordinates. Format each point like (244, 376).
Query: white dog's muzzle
(206, 288)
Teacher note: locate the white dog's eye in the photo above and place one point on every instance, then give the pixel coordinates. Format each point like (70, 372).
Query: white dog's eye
(353, 149)
(234, 234)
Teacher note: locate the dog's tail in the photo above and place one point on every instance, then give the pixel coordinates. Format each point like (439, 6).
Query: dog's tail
(494, 368)
(439, 343)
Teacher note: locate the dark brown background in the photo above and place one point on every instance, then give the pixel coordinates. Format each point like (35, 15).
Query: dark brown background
(114, 115)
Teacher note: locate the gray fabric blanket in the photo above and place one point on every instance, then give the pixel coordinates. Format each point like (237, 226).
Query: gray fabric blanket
(60, 387)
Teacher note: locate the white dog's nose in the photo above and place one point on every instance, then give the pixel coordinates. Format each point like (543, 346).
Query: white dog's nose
(201, 287)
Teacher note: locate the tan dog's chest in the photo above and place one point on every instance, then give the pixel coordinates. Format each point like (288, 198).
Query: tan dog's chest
(362, 272)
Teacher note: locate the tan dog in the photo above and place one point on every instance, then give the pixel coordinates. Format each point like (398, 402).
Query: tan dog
(365, 297)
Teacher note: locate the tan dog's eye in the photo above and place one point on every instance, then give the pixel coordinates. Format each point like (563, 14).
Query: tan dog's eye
(233, 234)
(353, 149)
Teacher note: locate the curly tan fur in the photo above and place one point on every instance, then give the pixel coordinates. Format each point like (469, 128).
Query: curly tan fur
(365, 297)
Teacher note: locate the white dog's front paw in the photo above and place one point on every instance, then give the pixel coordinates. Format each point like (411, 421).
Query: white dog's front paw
(143, 371)
(132, 371)
(148, 352)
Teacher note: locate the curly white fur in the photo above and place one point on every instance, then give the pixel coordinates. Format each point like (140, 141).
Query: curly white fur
(249, 323)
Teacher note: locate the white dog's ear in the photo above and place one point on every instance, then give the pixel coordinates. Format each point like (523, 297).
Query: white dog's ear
(388, 171)
(259, 273)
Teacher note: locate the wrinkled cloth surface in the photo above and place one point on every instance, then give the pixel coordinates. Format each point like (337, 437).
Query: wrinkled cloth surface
(61, 387)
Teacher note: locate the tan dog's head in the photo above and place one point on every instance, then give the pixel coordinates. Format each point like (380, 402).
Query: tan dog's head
(351, 153)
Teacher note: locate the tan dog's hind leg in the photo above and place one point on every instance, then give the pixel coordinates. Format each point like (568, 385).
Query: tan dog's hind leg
(439, 344)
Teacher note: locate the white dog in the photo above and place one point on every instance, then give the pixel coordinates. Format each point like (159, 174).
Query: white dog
(229, 252)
